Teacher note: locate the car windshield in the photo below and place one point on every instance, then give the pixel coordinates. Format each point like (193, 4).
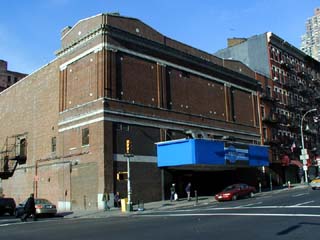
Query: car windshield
(6, 200)
(231, 188)
(38, 201)
(42, 201)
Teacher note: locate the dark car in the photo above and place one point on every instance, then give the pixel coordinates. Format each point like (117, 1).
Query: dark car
(235, 191)
(7, 205)
(43, 207)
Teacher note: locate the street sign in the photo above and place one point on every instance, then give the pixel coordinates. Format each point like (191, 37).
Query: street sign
(304, 151)
(304, 157)
(305, 167)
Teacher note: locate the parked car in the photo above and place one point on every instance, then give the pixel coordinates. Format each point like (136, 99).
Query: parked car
(315, 183)
(235, 191)
(7, 205)
(43, 207)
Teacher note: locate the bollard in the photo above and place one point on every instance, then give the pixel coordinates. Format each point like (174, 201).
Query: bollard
(196, 196)
(289, 184)
(259, 187)
(85, 202)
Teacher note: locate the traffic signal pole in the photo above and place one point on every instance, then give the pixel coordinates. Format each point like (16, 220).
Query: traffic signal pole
(129, 154)
(129, 204)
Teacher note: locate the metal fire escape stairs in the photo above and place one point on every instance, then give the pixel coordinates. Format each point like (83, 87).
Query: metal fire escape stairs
(13, 152)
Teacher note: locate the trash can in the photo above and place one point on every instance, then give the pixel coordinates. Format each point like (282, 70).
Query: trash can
(124, 202)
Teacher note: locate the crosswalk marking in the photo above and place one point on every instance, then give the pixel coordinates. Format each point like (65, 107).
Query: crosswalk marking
(299, 195)
(249, 205)
(229, 214)
(262, 207)
(299, 204)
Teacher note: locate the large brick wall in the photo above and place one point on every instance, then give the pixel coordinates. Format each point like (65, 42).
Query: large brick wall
(118, 89)
(30, 107)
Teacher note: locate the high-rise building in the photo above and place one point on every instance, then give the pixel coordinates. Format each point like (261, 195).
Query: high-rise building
(310, 41)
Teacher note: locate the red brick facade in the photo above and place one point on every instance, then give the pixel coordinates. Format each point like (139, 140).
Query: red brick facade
(116, 78)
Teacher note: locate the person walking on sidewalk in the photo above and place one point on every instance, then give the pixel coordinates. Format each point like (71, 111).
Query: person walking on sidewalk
(188, 191)
(29, 209)
(105, 199)
(117, 200)
(172, 192)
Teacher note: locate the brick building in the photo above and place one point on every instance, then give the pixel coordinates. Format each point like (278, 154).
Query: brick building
(116, 78)
(8, 78)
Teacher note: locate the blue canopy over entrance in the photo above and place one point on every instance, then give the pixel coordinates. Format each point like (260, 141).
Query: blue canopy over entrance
(211, 152)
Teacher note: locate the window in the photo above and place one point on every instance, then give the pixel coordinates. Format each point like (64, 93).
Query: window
(23, 147)
(122, 127)
(269, 91)
(53, 144)
(262, 112)
(264, 133)
(85, 136)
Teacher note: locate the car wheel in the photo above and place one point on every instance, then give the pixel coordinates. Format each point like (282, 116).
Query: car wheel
(234, 197)
(251, 194)
(314, 188)
(16, 214)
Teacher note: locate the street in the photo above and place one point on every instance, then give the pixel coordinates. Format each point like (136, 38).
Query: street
(288, 214)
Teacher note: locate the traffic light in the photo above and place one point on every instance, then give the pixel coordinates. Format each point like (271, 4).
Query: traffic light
(128, 146)
(122, 176)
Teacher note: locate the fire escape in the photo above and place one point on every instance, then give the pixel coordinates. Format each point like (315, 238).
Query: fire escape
(13, 152)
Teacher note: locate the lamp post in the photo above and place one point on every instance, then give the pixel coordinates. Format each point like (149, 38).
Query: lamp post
(304, 155)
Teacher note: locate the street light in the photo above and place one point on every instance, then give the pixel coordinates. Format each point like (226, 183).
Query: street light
(304, 154)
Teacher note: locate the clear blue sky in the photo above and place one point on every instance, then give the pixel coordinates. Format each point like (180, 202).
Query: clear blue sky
(30, 29)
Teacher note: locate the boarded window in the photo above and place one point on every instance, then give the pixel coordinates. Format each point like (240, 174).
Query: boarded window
(53, 144)
(85, 136)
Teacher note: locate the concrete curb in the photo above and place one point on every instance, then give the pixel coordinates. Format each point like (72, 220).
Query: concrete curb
(163, 205)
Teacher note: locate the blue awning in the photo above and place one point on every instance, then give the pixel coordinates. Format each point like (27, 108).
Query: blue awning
(210, 152)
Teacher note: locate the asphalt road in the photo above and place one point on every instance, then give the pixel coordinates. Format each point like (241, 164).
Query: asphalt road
(291, 214)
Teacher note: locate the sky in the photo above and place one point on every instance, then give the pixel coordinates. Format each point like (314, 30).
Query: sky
(30, 29)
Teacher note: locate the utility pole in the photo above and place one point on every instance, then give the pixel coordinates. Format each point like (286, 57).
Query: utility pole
(304, 154)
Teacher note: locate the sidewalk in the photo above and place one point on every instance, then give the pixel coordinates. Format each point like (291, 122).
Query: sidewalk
(162, 205)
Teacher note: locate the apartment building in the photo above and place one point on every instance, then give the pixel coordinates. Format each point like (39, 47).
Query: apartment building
(290, 87)
(8, 78)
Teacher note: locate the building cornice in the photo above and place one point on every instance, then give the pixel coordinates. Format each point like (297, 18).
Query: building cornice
(152, 47)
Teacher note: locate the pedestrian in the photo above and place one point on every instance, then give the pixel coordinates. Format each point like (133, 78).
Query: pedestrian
(29, 209)
(105, 199)
(188, 191)
(172, 192)
(117, 200)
